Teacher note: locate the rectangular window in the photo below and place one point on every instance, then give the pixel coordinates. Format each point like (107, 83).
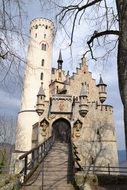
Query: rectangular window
(43, 47)
(42, 62)
(41, 77)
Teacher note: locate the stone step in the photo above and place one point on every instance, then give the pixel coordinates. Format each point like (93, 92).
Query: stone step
(58, 188)
(53, 172)
(68, 187)
(33, 187)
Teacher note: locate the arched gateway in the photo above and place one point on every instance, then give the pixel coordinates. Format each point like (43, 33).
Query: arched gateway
(61, 130)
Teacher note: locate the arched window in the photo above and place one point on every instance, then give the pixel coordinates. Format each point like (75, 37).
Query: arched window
(41, 77)
(43, 47)
(44, 35)
(42, 62)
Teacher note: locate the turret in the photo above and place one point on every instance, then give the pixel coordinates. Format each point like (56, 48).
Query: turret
(40, 101)
(102, 90)
(83, 101)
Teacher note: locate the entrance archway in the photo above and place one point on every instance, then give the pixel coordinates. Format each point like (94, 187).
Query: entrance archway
(61, 130)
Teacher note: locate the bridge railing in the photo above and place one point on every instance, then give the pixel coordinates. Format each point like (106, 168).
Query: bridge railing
(71, 163)
(93, 169)
(34, 157)
(107, 170)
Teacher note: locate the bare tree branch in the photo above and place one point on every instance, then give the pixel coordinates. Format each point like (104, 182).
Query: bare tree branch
(96, 35)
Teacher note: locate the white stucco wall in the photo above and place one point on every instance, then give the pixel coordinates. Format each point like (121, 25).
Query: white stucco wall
(41, 32)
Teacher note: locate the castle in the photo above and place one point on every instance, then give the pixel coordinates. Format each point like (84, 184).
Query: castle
(68, 107)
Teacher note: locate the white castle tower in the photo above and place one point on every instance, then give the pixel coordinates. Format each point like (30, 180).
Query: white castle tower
(38, 69)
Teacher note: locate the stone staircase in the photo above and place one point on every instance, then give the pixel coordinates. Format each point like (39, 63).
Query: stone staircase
(54, 173)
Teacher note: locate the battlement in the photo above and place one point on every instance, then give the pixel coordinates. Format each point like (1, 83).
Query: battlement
(105, 108)
(102, 107)
(61, 104)
(62, 97)
(39, 22)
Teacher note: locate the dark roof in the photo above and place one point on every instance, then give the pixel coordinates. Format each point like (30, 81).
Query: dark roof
(41, 90)
(101, 82)
(60, 56)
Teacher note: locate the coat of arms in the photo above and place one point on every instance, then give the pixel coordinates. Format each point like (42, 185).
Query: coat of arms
(61, 105)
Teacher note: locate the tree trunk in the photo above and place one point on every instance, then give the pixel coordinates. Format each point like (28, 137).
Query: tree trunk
(122, 58)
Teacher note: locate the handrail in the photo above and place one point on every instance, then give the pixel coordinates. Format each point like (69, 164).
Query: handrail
(71, 163)
(34, 157)
(107, 170)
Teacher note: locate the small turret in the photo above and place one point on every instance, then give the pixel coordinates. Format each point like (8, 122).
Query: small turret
(60, 61)
(83, 101)
(40, 101)
(102, 90)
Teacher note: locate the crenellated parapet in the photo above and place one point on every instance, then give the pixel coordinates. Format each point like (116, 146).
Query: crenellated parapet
(41, 22)
(61, 104)
(100, 107)
(106, 108)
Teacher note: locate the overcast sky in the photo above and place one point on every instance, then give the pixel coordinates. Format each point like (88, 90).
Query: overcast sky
(10, 102)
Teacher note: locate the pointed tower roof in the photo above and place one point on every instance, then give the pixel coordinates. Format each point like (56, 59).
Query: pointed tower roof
(83, 90)
(41, 91)
(101, 81)
(60, 60)
(60, 56)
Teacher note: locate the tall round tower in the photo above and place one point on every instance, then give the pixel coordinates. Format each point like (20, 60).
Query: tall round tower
(38, 69)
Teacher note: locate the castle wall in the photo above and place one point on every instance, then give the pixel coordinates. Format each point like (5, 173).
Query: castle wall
(97, 138)
(57, 76)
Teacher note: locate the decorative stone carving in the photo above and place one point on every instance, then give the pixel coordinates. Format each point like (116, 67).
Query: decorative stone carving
(52, 116)
(77, 129)
(61, 105)
(44, 127)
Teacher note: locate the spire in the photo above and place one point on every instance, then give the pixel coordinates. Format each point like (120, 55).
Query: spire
(60, 56)
(60, 60)
(101, 81)
(41, 91)
(83, 90)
